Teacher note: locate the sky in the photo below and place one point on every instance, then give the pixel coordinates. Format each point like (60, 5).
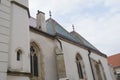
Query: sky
(98, 21)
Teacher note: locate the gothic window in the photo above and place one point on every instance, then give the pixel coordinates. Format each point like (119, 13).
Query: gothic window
(98, 71)
(34, 61)
(79, 66)
(102, 71)
(19, 53)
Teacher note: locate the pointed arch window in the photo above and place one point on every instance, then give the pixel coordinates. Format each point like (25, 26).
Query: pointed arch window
(98, 70)
(102, 71)
(34, 61)
(79, 66)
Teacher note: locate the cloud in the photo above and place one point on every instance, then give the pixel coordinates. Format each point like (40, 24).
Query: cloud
(61, 6)
(103, 33)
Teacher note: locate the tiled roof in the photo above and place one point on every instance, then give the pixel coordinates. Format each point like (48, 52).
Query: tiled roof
(114, 60)
(83, 40)
(54, 28)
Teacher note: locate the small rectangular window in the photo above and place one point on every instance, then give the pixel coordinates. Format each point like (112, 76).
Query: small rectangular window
(18, 56)
(19, 52)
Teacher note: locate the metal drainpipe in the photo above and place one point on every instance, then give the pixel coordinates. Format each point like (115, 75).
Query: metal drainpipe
(60, 43)
(91, 64)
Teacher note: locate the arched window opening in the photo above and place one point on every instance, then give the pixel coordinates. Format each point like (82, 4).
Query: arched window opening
(19, 53)
(79, 66)
(102, 71)
(34, 61)
(98, 71)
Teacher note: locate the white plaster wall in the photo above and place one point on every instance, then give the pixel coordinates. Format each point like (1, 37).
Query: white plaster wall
(104, 64)
(3, 76)
(17, 78)
(4, 37)
(19, 39)
(23, 2)
(47, 50)
(112, 72)
(70, 51)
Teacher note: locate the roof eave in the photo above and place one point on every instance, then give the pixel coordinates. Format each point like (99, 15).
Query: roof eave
(81, 45)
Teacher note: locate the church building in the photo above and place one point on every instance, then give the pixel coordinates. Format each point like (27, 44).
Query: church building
(39, 49)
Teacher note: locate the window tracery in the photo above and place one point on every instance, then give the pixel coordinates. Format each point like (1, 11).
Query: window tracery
(79, 66)
(34, 61)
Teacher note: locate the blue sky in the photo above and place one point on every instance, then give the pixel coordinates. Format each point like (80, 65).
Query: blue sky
(98, 21)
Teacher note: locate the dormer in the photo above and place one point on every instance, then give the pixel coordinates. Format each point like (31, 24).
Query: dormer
(41, 23)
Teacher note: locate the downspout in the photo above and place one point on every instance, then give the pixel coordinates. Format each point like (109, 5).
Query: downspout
(60, 43)
(91, 64)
